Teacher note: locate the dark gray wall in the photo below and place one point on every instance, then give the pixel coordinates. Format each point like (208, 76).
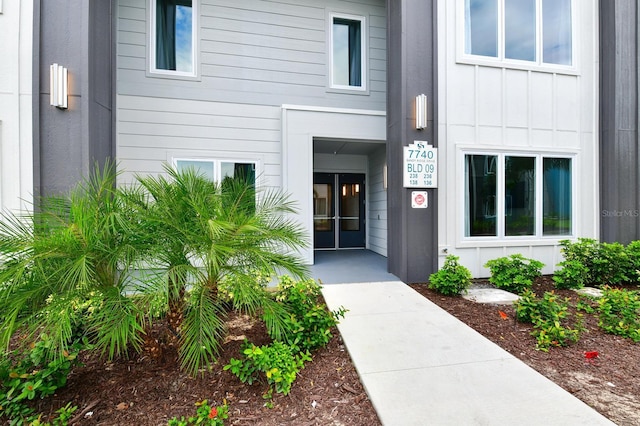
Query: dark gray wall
(77, 34)
(619, 177)
(411, 41)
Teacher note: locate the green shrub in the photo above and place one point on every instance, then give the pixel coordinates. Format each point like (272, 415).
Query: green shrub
(633, 253)
(547, 316)
(572, 275)
(514, 273)
(279, 362)
(610, 264)
(619, 313)
(310, 322)
(452, 279)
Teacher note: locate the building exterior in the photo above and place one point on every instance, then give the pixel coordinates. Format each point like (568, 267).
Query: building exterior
(532, 107)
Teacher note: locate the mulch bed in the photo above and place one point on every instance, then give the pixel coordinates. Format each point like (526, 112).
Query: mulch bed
(146, 391)
(609, 383)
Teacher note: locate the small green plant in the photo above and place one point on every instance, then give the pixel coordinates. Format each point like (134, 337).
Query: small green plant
(619, 312)
(452, 279)
(514, 273)
(547, 316)
(585, 306)
(62, 418)
(310, 322)
(573, 274)
(279, 362)
(205, 415)
(32, 376)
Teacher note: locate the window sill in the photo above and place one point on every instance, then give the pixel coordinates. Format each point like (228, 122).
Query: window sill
(173, 75)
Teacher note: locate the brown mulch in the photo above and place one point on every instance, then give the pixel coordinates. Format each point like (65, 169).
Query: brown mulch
(610, 383)
(146, 391)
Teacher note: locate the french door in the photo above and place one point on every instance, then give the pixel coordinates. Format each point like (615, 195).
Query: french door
(338, 210)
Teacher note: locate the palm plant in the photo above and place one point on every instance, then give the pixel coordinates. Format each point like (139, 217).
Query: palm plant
(74, 250)
(207, 235)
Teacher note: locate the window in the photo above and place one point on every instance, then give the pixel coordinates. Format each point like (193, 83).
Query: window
(348, 61)
(173, 37)
(219, 170)
(517, 195)
(538, 31)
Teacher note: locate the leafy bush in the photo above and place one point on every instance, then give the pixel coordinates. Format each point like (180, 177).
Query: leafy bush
(25, 376)
(547, 315)
(610, 264)
(514, 273)
(619, 313)
(205, 415)
(279, 362)
(452, 279)
(572, 275)
(602, 263)
(309, 323)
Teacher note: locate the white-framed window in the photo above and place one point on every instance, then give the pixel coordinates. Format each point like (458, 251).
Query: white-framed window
(218, 170)
(516, 195)
(173, 41)
(528, 33)
(348, 52)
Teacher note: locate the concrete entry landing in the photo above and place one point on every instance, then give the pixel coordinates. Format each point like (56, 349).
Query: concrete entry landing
(350, 266)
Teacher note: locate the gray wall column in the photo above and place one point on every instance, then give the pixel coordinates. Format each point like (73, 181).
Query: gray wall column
(411, 70)
(619, 153)
(79, 35)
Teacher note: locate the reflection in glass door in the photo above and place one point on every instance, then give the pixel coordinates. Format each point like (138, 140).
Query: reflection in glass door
(342, 193)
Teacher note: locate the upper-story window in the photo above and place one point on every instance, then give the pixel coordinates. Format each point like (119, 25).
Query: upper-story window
(348, 52)
(173, 37)
(537, 31)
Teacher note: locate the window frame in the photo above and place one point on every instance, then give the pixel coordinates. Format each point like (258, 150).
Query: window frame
(152, 70)
(500, 237)
(501, 61)
(364, 57)
(217, 165)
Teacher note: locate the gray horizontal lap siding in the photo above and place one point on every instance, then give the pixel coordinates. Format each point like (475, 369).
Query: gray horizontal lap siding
(261, 52)
(254, 57)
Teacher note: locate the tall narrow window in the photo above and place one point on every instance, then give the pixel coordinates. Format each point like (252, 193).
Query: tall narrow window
(481, 195)
(520, 195)
(556, 196)
(174, 35)
(481, 27)
(520, 29)
(347, 52)
(556, 32)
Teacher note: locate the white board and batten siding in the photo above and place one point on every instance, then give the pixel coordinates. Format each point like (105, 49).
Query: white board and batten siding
(16, 140)
(254, 58)
(515, 110)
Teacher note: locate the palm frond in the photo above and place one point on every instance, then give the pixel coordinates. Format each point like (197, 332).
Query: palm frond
(202, 330)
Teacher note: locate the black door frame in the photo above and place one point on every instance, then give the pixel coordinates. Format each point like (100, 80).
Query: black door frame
(336, 222)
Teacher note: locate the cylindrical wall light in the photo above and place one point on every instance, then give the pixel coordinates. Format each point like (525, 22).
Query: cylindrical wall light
(421, 112)
(58, 86)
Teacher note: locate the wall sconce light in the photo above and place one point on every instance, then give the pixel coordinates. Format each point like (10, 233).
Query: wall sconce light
(58, 80)
(384, 176)
(421, 112)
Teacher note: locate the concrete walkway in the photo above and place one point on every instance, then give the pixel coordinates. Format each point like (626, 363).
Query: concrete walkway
(422, 366)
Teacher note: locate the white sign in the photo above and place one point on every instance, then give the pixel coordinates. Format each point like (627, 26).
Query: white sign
(419, 200)
(420, 165)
